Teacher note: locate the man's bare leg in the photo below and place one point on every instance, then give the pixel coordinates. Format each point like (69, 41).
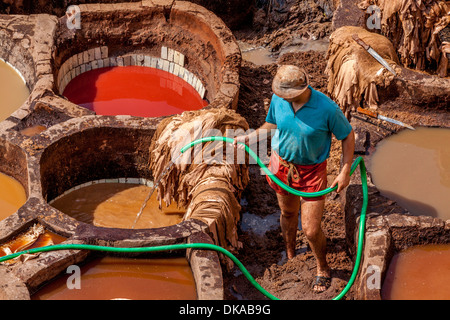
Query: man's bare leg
(289, 206)
(311, 215)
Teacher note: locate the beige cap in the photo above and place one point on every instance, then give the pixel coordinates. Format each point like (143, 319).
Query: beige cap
(290, 82)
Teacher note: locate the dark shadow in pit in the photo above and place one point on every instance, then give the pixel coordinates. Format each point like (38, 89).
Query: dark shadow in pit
(94, 154)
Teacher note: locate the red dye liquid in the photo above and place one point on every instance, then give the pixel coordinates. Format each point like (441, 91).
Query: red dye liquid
(134, 91)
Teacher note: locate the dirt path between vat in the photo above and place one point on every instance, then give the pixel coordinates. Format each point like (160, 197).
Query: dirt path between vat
(263, 252)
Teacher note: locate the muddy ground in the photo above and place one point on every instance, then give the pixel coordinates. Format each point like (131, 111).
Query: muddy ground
(263, 252)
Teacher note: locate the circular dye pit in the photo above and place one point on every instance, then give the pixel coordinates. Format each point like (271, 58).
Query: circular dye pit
(133, 90)
(413, 168)
(116, 205)
(12, 196)
(419, 273)
(13, 90)
(110, 278)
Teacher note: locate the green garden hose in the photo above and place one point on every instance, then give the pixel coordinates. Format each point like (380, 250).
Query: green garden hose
(205, 246)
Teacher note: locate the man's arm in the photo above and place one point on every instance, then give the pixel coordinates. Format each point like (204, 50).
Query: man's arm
(348, 150)
(255, 134)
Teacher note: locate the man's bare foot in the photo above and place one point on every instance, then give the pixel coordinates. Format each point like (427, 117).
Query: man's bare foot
(322, 281)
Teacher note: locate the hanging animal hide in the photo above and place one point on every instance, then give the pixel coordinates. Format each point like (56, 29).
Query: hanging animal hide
(202, 179)
(413, 26)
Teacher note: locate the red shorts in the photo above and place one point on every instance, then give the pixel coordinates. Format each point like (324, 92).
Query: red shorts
(304, 178)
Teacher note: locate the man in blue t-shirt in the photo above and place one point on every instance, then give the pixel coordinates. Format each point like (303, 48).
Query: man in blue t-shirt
(305, 120)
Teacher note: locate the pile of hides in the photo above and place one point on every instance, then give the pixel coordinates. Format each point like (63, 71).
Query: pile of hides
(413, 26)
(353, 74)
(202, 180)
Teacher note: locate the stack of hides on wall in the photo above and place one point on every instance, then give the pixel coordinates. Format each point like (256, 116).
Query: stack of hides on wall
(203, 179)
(413, 26)
(353, 74)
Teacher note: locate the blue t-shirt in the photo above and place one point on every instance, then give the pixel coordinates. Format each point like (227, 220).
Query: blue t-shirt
(304, 137)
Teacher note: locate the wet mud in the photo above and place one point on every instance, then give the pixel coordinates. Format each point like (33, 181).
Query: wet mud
(263, 252)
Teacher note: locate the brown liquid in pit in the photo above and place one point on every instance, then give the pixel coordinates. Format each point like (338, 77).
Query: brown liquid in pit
(47, 239)
(413, 168)
(419, 273)
(121, 278)
(34, 237)
(12, 196)
(259, 56)
(115, 205)
(32, 131)
(264, 56)
(13, 91)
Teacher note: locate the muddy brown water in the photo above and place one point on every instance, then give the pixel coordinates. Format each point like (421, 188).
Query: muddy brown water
(115, 205)
(46, 239)
(110, 278)
(13, 90)
(263, 55)
(413, 168)
(419, 273)
(28, 240)
(12, 196)
(259, 56)
(33, 130)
